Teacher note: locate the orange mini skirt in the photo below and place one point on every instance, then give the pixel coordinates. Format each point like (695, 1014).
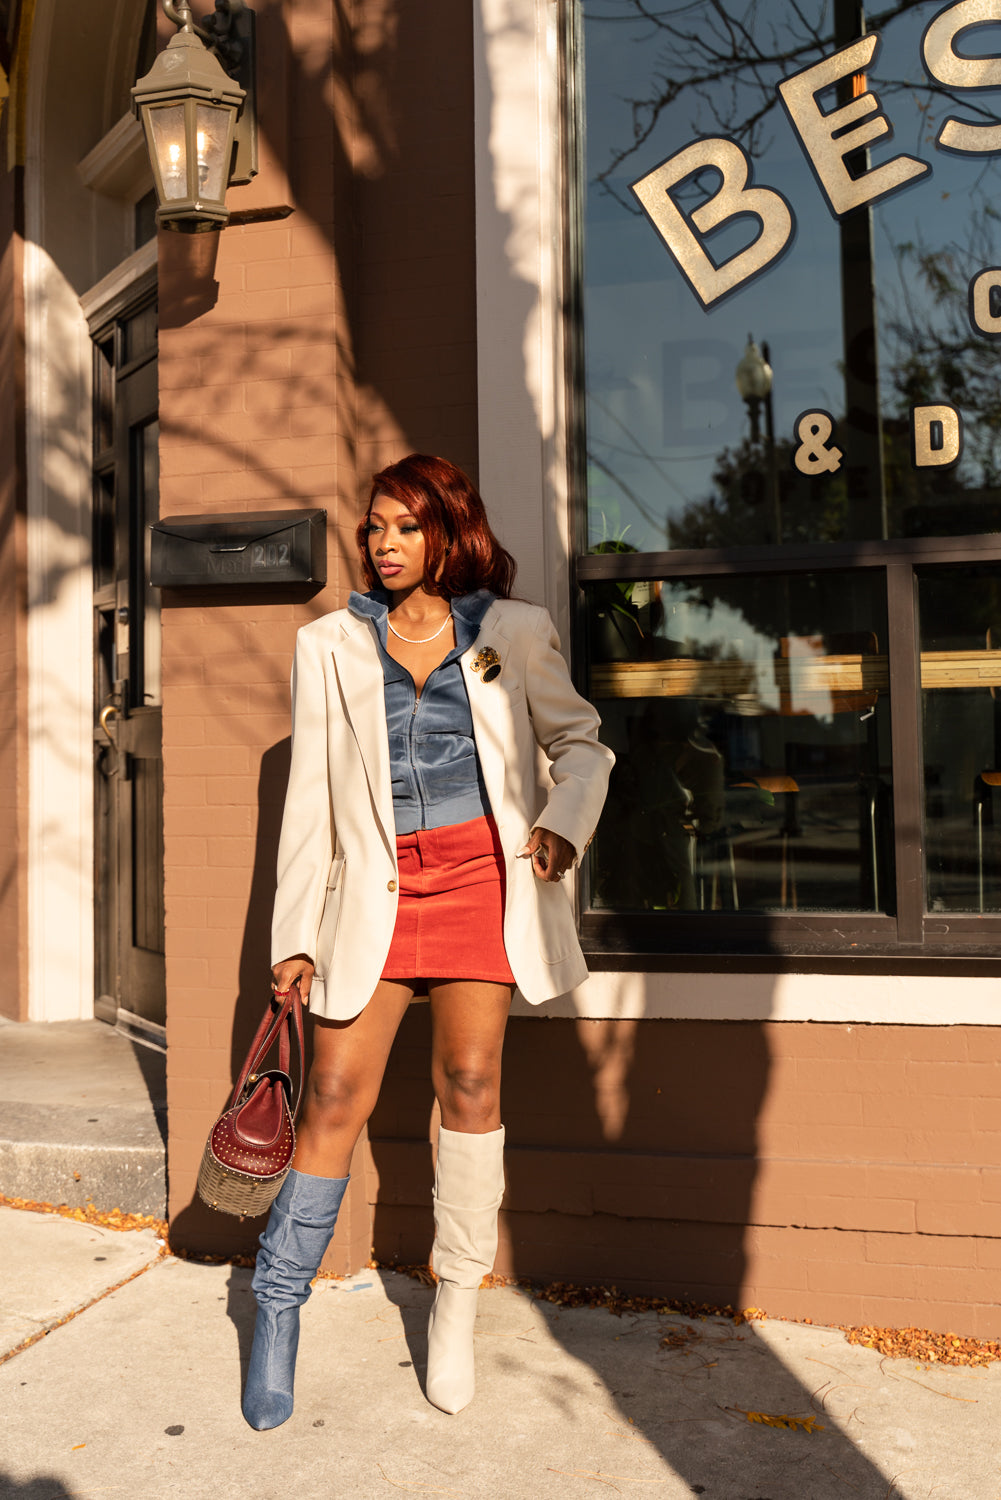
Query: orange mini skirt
(450, 920)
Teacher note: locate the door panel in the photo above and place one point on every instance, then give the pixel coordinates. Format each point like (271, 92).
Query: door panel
(128, 715)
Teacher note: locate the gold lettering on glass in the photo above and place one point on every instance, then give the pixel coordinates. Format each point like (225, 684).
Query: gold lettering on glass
(936, 437)
(985, 295)
(709, 281)
(813, 456)
(952, 70)
(856, 124)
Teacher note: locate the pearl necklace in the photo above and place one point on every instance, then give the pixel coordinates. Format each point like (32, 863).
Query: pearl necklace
(426, 638)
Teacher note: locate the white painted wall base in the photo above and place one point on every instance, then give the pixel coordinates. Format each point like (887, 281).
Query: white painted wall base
(860, 999)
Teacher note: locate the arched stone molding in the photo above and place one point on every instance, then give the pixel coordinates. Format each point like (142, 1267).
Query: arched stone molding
(76, 239)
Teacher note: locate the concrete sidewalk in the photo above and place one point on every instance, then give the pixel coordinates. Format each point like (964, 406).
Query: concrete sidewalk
(138, 1395)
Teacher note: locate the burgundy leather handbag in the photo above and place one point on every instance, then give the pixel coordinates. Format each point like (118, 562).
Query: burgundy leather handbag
(250, 1147)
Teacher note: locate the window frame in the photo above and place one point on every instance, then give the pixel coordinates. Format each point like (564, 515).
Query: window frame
(910, 927)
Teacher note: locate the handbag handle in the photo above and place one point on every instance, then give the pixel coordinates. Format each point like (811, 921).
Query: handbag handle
(281, 1024)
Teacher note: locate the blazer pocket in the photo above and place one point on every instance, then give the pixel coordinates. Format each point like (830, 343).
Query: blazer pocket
(327, 934)
(558, 934)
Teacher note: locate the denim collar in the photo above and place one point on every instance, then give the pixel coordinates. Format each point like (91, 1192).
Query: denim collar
(467, 612)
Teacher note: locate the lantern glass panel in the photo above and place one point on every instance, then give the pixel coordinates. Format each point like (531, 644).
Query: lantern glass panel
(213, 132)
(167, 128)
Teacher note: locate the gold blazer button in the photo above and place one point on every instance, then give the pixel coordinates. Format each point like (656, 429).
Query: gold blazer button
(391, 885)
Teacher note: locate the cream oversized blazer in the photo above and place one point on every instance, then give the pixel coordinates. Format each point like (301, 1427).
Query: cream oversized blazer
(337, 877)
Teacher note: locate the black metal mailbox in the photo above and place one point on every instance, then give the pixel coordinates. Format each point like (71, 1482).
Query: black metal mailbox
(264, 546)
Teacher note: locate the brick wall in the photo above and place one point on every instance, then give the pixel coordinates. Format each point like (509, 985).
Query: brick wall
(295, 357)
(845, 1174)
(13, 657)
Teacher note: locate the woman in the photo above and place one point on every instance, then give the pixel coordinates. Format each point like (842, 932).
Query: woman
(420, 853)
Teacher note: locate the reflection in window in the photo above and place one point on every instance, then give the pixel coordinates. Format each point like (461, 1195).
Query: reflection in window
(750, 720)
(961, 681)
(864, 317)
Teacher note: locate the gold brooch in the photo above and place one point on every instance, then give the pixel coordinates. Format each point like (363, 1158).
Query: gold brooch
(488, 662)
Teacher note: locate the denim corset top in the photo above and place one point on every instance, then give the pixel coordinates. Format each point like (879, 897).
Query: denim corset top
(433, 762)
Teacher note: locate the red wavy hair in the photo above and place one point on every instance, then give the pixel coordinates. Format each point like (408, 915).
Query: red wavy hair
(461, 552)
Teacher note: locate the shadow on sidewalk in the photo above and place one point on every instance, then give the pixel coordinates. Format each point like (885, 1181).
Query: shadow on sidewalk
(42, 1487)
(598, 1127)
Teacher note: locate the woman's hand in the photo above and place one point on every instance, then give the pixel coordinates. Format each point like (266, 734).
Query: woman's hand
(551, 854)
(285, 974)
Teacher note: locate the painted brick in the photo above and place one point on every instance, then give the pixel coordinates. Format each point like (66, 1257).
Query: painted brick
(983, 1043)
(189, 971)
(920, 1249)
(188, 792)
(194, 458)
(188, 911)
(309, 301)
(903, 1111)
(844, 1109)
(933, 1044)
(929, 1080)
(204, 942)
(184, 732)
(223, 763)
(264, 393)
(231, 852)
(240, 427)
(943, 1217)
(189, 851)
(986, 1115)
(945, 1146)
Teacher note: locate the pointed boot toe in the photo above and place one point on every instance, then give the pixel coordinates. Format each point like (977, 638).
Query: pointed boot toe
(268, 1395)
(451, 1379)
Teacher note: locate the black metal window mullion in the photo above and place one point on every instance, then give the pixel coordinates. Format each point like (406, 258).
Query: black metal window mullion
(906, 748)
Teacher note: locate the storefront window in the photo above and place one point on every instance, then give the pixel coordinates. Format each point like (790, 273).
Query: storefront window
(862, 276)
(750, 721)
(786, 462)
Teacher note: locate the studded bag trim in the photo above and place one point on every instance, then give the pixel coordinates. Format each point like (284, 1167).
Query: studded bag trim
(250, 1147)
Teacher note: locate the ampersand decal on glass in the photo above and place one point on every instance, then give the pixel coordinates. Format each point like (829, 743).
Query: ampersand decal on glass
(814, 430)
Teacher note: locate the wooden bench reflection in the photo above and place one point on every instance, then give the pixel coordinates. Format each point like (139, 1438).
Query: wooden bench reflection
(798, 677)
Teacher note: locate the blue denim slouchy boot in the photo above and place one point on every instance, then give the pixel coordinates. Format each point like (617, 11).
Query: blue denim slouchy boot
(299, 1229)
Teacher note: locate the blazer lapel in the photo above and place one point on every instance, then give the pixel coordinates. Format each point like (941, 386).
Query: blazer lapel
(359, 674)
(490, 729)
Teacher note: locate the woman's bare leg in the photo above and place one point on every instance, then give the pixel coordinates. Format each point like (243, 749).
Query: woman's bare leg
(468, 1019)
(349, 1060)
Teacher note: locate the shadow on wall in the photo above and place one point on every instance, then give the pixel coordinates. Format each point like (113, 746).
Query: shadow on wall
(195, 1224)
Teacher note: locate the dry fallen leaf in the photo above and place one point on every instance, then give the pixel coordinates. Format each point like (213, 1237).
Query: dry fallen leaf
(925, 1346)
(774, 1419)
(112, 1218)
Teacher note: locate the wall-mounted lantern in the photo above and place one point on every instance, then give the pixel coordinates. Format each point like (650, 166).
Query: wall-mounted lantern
(189, 106)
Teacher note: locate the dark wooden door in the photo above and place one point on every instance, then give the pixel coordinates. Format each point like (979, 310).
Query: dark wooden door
(128, 714)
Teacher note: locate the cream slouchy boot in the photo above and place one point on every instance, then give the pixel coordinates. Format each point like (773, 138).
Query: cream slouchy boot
(468, 1188)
